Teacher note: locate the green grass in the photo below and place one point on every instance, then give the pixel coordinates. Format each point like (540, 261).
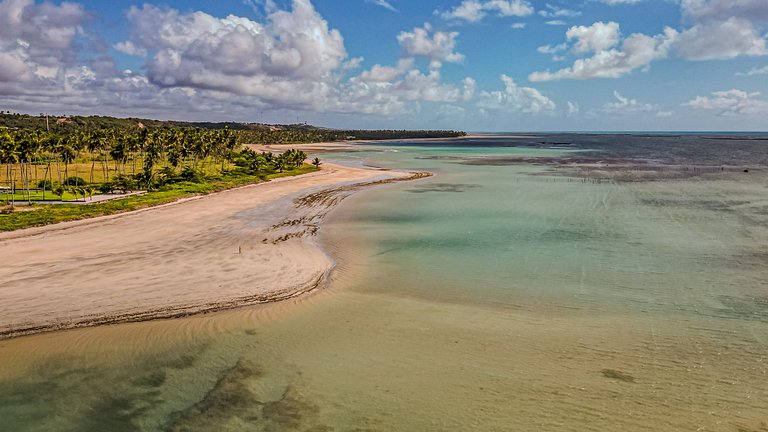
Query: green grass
(36, 195)
(50, 214)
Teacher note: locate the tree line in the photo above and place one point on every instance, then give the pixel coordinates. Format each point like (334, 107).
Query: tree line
(120, 159)
(247, 133)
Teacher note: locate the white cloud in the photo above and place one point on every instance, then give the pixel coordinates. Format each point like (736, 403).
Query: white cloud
(721, 40)
(379, 73)
(754, 71)
(383, 3)
(289, 60)
(717, 10)
(732, 102)
(36, 40)
(518, 26)
(597, 37)
(362, 94)
(437, 46)
(469, 87)
(476, 10)
(637, 51)
(515, 99)
(216, 68)
(720, 30)
(573, 109)
(552, 49)
(624, 105)
(127, 47)
(553, 11)
(556, 23)
(617, 2)
(723, 29)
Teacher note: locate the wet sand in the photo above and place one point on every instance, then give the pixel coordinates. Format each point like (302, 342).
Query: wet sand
(244, 246)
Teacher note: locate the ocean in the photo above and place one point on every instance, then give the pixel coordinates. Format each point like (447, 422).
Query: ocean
(554, 282)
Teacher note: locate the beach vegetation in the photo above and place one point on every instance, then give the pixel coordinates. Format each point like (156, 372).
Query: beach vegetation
(162, 164)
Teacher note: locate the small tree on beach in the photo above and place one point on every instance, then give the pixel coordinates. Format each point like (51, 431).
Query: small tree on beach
(316, 162)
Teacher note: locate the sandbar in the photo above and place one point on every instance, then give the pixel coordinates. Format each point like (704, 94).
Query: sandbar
(244, 246)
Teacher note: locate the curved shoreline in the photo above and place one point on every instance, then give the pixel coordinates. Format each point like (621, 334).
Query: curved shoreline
(234, 248)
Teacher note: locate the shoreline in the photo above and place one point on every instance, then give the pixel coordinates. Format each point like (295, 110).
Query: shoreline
(244, 246)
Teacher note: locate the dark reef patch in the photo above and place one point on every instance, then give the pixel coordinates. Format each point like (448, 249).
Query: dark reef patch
(231, 403)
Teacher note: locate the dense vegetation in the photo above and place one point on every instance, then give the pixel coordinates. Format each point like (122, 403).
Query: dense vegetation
(246, 133)
(169, 163)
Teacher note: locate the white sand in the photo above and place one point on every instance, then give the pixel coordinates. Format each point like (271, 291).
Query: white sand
(243, 246)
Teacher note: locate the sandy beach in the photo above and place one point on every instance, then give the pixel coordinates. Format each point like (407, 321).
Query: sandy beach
(244, 246)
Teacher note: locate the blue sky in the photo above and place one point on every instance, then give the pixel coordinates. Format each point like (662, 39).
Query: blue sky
(478, 65)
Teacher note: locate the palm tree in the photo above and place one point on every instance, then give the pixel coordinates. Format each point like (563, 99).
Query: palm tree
(316, 162)
(68, 153)
(25, 147)
(8, 156)
(92, 144)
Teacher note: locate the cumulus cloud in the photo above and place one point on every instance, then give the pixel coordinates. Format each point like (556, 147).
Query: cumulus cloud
(469, 87)
(716, 10)
(723, 29)
(36, 40)
(437, 46)
(363, 94)
(731, 102)
(515, 99)
(292, 60)
(476, 10)
(597, 37)
(718, 30)
(721, 40)
(214, 67)
(291, 57)
(127, 47)
(608, 61)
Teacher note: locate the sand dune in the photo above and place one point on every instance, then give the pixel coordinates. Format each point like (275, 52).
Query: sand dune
(244, 246)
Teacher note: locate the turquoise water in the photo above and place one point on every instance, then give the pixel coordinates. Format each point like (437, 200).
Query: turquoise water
(487, 297)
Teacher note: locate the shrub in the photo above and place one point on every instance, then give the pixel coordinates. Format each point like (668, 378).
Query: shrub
(45, 184)
(106, 188)
(124, 183)
(74, 181)
(190, 175)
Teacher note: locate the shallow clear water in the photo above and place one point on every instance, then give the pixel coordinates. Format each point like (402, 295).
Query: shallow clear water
(484, 298)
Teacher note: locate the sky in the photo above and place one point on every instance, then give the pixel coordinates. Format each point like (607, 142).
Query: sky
(474, 65)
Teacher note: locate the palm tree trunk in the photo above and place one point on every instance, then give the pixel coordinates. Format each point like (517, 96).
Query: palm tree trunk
(47, 168)
(13, 188)
(93, 166)
(26, 171)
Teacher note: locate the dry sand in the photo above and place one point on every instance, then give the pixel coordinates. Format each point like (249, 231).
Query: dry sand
(243, 246)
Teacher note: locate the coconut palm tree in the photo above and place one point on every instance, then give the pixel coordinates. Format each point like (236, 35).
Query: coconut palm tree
(8, 156)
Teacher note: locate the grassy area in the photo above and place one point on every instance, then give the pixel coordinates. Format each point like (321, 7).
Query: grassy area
(82, 169)
(49, 214)
(36, 195)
